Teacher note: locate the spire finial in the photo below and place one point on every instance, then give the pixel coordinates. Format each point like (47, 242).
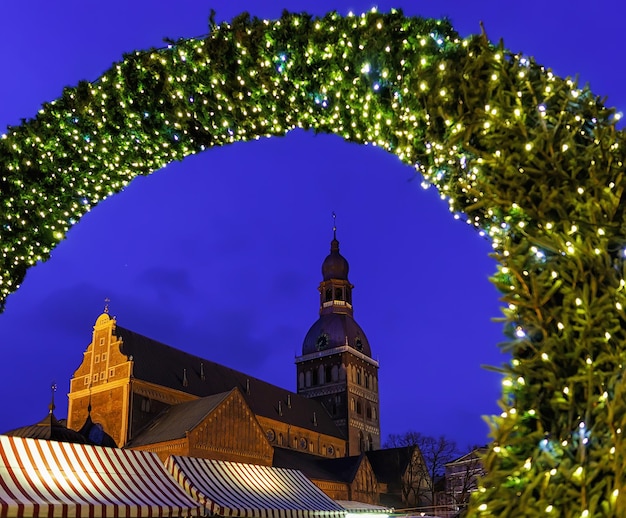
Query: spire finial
(106, 305)
(334, 225)
(53, 389)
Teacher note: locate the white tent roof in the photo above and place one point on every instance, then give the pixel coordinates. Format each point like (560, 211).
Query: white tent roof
(248, 490)
(361, 507)
(49, 478)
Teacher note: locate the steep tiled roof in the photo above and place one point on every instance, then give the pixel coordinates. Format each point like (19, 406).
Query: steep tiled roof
(49, 428)
(389, 464)
(163, 365)
(175, 421)
(342, 469)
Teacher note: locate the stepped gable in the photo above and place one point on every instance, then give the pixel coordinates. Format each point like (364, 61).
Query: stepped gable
(161, 364)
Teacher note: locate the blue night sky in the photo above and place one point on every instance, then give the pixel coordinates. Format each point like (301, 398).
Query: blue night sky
(220, 255)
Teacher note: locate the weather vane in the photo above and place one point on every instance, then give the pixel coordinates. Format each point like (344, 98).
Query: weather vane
(106, 305)
(334, 225)
(53, 389)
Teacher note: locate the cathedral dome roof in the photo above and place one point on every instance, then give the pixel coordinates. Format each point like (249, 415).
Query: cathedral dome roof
(335, 330)
(335, 266)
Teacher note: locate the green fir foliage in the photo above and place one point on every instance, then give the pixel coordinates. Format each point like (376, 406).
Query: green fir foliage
(531, 160)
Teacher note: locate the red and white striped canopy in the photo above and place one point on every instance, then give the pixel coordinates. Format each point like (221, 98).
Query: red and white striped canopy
(56, 479)
(248, 490)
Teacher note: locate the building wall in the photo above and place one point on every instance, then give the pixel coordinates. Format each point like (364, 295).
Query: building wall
(167, 448)
(363, 404)
(347, 386)
(108, 408)
(231, 432)
(102, 380)
(335, 490)
(282, 435)
(364, 487)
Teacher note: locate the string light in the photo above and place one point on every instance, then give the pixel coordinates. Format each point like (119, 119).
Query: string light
(533, 162)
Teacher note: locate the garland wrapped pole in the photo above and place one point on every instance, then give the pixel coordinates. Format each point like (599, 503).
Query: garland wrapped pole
(532, 160)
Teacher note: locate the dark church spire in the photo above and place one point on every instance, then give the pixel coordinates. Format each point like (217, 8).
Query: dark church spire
(335, 289)
(53, 389)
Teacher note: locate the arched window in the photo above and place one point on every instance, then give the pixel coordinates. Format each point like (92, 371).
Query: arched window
(321, 374)
(342, 372)
(358, 377)
(358, 407)
(370, 442)
(281, 439)
(301, 380)
(328, 295)
(368, 411)
(334, 373)
(374, 413)
(361, 442)
(338, 294)
(352, 404)
(307, 377)
(328, 375)
(367, 381)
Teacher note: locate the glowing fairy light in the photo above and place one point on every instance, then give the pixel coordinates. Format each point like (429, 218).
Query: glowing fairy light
(500, 138)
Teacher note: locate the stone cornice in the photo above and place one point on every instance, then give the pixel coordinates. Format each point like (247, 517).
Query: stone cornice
(336, 350)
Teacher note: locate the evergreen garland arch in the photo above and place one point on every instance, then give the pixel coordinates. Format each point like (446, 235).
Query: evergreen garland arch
(532, 160)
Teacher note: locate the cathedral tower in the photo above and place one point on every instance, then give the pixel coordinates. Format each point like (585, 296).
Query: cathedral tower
(336, 367)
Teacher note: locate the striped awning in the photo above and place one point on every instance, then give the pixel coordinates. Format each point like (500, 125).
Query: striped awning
(50, 478)
(248, 490)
